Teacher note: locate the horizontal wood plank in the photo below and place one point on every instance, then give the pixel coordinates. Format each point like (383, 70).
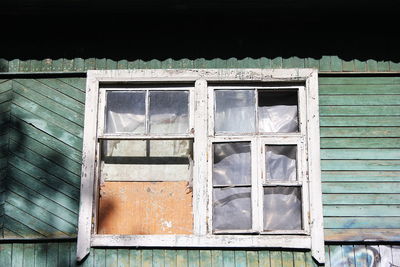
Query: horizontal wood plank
(360, 199)
(360, 176)
(360, 187)
(360, 131)
(353, 89)
(360, 154)
(360, 121)
(360, 165)
(357, 100)
(359, 80)
(361, 222)
(329, 142)
(360, 235)
(361, 210)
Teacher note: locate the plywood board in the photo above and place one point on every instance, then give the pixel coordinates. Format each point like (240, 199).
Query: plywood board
(141, 208)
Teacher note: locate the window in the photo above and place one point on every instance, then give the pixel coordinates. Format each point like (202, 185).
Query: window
(201, 158)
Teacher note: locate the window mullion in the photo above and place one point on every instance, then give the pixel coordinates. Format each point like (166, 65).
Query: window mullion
(147, 115)
(255, 186)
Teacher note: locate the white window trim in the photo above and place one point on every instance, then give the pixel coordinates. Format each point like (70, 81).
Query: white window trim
(313, 239)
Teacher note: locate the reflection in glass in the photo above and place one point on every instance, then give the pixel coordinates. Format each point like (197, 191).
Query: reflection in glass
(277, 111)
(280, 162)
(125, 112)
(232, 163)
(169, 112)
(235, 111)
(282, 208)
(231, 208)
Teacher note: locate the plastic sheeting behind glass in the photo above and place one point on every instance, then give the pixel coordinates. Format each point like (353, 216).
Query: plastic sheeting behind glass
(125, 112)
(231, 208)
(146, 160)
(232, 163)
(277, 111)
(280, 162)
(169, 112)
(282, 208)
(235, 111)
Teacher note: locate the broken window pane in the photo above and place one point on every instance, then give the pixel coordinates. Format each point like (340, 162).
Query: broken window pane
(235, 111)
(232, 163)
(282, 208)
(281, 162)
(146, 160)
(277, 111)
(232, 208)
(125, 112)
(169, 112)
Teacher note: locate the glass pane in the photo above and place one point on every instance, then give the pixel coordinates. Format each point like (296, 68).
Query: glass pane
(277, 111)
(281, 162)
(282, 208)
(125, 112)
(232, 163)
(235, 111)
(169, 112)
(146, 160)
(232, 208)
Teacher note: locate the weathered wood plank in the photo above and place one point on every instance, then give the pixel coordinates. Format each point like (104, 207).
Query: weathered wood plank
(325, 63)
(360, 165)
(252, 258)
(100, 257)
(205, 258)
(217, 258)
(360, 131)
(264, 259)
(170, 258)
(361, 222)
(357, 89)
(228, 257)
(287, 259)
(360, 121)
(193, 258)
(17, 255)
(240, 258)
(362, 210)
(351, 100)
(365, 187)
(64, 254)
(135, 258)
(360, 154)
(5, 254)
(158, 258)
(111, 257)
(361, 199)
(40, 254)
(52, 254)
(298, 259)
(366, 80)
(276, 258)
(360, 142)
(64, 88)
(15, 227)
(385, 252)
(147, 258)
(360, 176)
(359, 110)
(123, 257)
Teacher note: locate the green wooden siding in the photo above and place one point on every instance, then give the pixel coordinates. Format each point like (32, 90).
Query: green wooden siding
(360, 155)
(43, 144)
(324, 64)
(62, 254)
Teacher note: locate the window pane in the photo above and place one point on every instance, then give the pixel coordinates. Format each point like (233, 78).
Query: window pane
(235, 111)
(277, 111)
(232, 163)
(169, 112)
(281, 162)
(232, 208)
(146, 160)
(282, 208)
(125, 112)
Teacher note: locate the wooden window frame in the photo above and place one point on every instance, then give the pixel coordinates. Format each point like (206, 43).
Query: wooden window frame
(202, 118)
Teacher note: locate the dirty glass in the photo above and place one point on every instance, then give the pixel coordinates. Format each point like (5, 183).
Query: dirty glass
(232, 208)
(277, 111)
(282, 208)
(235, 111)
(231, 163)
(125, 112)
(146, 160)
(280, 162)
(169, 112)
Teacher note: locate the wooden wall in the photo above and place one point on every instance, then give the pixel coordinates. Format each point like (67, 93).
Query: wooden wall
(62, 254)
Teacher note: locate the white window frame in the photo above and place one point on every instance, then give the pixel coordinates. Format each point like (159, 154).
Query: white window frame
(202, 118)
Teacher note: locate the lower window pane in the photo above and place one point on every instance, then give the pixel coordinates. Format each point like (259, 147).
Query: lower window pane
(282, 208)
(231, 208)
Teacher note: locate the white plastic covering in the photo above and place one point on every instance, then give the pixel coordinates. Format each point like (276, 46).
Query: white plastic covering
(125, 112)
(232, 163)
(280, 162)
(235, 111)
(232, 208)
(282, 208)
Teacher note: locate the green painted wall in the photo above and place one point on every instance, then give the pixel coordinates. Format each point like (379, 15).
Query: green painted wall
(62, 254)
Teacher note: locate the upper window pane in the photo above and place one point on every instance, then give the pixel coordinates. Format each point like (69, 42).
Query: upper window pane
(125, 112)
(277, 111)
(235, 111)
(169, 112)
